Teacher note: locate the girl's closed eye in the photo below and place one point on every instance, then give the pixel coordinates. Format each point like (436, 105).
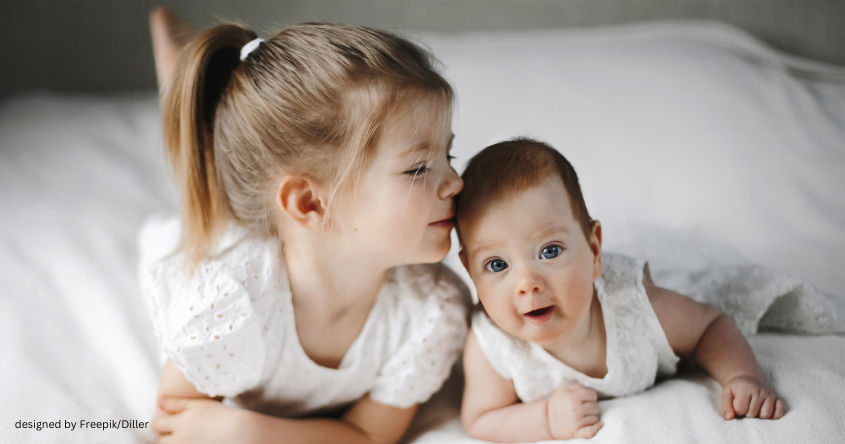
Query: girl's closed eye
(424, 168)
(416, 171)
(496, 265)
(551, 252)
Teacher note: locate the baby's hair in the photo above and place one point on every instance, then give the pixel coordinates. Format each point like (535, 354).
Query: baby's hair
(507, 168)
(311, 100)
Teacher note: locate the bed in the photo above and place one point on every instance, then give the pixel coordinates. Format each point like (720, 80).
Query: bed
(698, 147)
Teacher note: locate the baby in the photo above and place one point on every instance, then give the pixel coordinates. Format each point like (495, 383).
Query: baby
(560, 325)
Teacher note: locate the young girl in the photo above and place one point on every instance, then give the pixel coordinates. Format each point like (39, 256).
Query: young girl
(314, 170)
(560, 323)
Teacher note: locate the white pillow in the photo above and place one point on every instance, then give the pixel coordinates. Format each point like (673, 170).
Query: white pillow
(695, 127)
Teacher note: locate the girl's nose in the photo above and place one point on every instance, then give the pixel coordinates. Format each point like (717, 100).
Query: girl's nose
(452, 184)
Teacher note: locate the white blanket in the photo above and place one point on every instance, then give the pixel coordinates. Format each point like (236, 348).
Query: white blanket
(698, 148)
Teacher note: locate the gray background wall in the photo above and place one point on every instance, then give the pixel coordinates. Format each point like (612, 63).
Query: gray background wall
(104, 45)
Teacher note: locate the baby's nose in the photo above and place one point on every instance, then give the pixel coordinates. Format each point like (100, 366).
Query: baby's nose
(530, 282)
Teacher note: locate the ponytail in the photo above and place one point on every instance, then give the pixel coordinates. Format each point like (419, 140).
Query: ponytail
(200, 79)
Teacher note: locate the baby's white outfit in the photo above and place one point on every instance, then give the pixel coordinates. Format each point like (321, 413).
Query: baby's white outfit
(637, 348)
(230, 328)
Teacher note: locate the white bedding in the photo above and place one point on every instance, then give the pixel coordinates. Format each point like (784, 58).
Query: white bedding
(697, 147)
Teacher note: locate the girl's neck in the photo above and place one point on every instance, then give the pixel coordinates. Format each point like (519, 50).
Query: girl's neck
(330, 282)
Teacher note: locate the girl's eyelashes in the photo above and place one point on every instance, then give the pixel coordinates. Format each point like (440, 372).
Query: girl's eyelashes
(422, 169)
(496, 265)
(551, 252)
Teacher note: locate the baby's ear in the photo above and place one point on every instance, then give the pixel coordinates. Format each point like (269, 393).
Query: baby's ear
(595, 247)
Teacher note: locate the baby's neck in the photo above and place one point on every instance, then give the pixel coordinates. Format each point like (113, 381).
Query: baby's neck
(585, 348)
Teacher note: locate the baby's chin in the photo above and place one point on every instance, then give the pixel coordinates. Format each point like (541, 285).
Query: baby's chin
(545, 335)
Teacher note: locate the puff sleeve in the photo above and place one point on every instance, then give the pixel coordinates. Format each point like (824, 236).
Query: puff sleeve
(204, 322)
(423, 362)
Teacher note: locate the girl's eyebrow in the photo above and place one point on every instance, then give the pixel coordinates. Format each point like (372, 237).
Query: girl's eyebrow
(422, 146)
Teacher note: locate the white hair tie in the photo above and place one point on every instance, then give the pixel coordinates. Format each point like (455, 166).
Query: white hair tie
(249, 47)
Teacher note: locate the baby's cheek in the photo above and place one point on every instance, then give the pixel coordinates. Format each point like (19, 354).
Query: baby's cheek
(499, 309)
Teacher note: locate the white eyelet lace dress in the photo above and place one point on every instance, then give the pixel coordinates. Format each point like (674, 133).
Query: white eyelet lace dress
(637, 348)
(230, 328)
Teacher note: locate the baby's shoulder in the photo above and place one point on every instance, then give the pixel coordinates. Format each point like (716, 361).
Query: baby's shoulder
(619, 271)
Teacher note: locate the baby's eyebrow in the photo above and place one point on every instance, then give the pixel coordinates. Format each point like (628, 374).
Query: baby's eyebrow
(551, 230)
(480, 248)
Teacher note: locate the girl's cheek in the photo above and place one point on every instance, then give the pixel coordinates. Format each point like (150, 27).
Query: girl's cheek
(420, 198)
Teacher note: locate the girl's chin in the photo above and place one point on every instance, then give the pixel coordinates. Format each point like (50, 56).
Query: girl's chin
(436, 248)
(430, 255)
(436, 255)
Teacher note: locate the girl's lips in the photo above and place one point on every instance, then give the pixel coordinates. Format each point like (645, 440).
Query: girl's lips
(445, 223)
(540, 315)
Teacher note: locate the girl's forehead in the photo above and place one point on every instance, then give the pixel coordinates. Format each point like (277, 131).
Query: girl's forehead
(419, 125)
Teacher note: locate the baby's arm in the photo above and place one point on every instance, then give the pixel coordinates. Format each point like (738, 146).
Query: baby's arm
(705, 333)
(491, 410)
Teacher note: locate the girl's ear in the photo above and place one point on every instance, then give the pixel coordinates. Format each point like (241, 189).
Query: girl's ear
(301, 199)
(595, 247)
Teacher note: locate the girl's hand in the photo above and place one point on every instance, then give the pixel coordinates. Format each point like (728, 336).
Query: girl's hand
(573, 412)
(752, 398)
(191, 420)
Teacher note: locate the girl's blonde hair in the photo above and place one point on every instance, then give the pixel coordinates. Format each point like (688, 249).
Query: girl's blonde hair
(311, 100)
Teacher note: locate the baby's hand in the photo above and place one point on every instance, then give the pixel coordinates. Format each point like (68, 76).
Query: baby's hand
(752, 398)
(573, 412)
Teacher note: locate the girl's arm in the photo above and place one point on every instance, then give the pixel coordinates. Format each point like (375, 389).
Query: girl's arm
(187, 415)
(174, 384)
(491, 410)
(713, 339)
(366, 422)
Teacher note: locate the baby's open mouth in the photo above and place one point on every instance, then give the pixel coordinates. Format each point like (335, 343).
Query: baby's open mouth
(539, 312)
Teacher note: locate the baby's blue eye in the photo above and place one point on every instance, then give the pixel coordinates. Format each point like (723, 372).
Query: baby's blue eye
(551, 252)
(496, 265)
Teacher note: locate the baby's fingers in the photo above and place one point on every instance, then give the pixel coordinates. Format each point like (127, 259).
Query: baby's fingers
(780, 409)
(590, 408)
(742, 401)
(727, 404)
(588, 420)
(768, 407)
(589, 431)
(754, 405)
